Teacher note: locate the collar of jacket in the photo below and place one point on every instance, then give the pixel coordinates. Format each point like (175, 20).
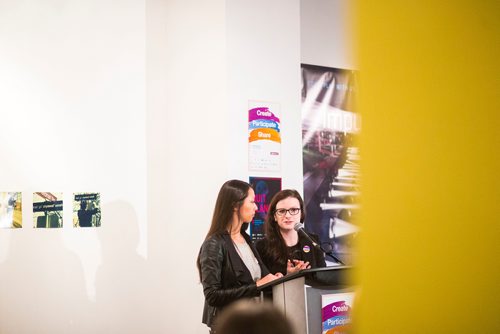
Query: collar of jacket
(240, 269)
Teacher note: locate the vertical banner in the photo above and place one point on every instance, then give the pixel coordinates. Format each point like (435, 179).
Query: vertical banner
(336, 312)
(330, 157)
(11, 210)
(265, 188)
(264, 138)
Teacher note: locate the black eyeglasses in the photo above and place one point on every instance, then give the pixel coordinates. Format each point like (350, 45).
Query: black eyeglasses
(282, 212)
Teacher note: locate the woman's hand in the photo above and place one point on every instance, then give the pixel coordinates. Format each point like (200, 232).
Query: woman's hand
(296, 265)
(268, 278)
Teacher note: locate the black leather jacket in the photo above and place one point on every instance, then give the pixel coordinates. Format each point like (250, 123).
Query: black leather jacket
(224, 276)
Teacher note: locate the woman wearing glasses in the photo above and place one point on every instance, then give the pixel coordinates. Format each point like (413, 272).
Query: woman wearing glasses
(283, 249)
(229, 266)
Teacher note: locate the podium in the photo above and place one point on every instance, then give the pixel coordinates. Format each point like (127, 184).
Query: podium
(299, 296)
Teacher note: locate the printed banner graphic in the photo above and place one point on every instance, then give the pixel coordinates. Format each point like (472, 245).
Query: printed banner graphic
(336, 312)
(330, 156)
(264, 138)
(265, 188)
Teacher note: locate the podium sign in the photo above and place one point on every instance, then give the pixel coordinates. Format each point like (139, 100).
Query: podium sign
(336, 312)
(315, 300)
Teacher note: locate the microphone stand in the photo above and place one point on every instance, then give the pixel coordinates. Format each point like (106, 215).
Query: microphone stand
(330, 254)
(299, 227)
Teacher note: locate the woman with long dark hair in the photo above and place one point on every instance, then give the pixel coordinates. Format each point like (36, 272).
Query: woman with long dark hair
(283, 249)
(229, 266)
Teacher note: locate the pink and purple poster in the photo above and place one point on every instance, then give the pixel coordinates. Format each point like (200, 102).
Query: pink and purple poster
(336, 312)
(264, 138)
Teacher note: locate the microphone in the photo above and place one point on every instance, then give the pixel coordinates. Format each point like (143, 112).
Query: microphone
(299, 227)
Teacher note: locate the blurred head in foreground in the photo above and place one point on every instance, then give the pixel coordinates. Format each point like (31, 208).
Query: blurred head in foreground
(250, 317)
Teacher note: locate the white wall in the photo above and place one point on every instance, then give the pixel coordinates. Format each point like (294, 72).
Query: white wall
(263, 43)
(72, 111)
(187, 130)
(146, 102)
(327, 33)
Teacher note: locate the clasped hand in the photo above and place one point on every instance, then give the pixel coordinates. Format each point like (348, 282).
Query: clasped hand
(296, 265)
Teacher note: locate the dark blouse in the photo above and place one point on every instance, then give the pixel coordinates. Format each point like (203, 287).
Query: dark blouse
(303, 250)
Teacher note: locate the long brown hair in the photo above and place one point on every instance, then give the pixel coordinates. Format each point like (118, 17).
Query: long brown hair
(231, 196)
(276, 247)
